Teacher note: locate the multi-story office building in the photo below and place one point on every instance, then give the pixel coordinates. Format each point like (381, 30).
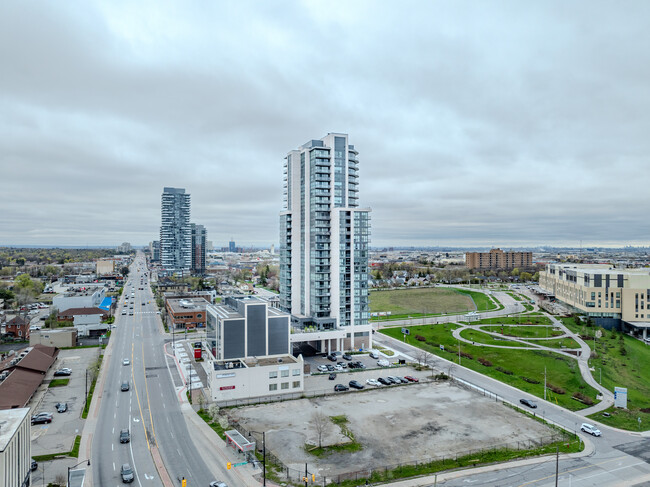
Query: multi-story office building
(498, 259)
(175, 231)
(612, 297)
(198, 248)
(15, 447)
(231, 246)
(324, 237)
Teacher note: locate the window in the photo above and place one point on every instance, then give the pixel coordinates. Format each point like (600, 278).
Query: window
(284, 373)
(285, 385)
(296, 384)
(273, 387)
(295, 372)
(273, 375)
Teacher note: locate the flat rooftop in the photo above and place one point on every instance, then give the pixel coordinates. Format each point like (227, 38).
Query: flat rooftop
(250, 362)
(10, 420)
(187, 304)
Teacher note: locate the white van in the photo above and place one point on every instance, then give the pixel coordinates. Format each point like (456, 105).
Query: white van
(590, 428)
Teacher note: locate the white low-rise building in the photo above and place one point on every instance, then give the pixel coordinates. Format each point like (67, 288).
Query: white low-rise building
(15, 447)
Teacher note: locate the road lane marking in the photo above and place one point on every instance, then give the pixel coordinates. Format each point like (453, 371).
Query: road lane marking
(146, 436)
(146, 385)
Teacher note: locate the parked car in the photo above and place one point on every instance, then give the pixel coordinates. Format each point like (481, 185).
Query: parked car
(403, 380)
(125, 435)
(356, 384)
(61, 407)
(383, 363)
(124, 386)
(127, 473)
(64, 372)
(343, 364)
(347, 356)
(322, 368)
(42, 418)
(374, 354)
(217, 483)
(383, 381)
(411, 378)
(332, 376)
(338, 368)
(590, 428)
(372, 382)
(330, 368)
(340, 387)
(34, 465)
(332, 357)
(528, 402)
(393, 379)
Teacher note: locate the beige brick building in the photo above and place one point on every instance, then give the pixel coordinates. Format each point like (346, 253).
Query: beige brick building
(609, 295)
(498, 259)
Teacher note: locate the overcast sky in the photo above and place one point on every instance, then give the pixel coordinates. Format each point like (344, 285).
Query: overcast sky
(477, 123)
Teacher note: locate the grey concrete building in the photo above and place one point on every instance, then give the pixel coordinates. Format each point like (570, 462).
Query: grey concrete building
(199, 247)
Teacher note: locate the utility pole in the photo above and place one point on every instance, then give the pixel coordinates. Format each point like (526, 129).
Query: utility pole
(458, 352)
(545, 383)
(557, 465)
(306, 475)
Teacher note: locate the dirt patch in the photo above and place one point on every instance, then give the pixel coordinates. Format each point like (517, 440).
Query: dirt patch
(393, 425)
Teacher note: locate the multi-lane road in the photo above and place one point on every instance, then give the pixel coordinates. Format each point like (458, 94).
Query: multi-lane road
(150, 408)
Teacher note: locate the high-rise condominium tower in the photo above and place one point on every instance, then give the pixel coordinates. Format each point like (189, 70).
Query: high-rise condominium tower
(324, 245)
(199, 246)
(175, 231)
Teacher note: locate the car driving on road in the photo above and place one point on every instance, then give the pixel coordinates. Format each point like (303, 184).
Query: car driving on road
(590, 428)
(61, 407)
(124, 386)
(528, 402)
(125, 436)
(127, 473)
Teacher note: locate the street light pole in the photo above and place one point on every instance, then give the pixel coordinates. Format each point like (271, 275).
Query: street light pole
(263, 454)
(70, 468)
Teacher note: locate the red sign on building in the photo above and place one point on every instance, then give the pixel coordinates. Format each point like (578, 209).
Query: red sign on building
(226, 388)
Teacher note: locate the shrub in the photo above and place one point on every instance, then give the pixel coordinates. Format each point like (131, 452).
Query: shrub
(530, 381)
(579, 396)
(485, 362)
(466, 355)
(441, 376)
(556, 389)
(623, 350)
(420, 338)
(505, 371)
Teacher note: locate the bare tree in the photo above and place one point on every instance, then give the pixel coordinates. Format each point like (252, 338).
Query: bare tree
(321, 424)
(450, 369)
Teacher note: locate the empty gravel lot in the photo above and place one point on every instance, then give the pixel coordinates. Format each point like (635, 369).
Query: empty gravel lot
(393, 425)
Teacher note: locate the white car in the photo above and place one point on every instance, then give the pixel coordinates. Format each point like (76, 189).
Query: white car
(126, 361)
(383, 363)
(322, 368)
(338, 368)
(373, 382)
(590, 428)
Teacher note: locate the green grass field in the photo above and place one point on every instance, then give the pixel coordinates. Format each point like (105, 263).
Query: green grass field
(59, 382)
(482, 301)
(416, 302)
(524, 331)
(631, 370)
(568, 343)
(561, 371)
(516, 320)
(480, 337)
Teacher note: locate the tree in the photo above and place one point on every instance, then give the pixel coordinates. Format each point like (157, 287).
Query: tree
(525, 276)
(321, 424)
(124, 271)
(7, 296)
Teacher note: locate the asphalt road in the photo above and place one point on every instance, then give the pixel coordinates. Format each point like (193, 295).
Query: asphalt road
(150, 409)
(617, 458)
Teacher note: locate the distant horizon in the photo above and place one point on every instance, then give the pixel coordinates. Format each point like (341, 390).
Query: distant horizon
(538, 247)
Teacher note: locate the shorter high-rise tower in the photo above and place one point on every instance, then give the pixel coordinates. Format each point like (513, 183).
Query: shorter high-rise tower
(199, 246)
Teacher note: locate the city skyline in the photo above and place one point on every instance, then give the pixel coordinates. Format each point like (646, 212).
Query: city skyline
(492, 125)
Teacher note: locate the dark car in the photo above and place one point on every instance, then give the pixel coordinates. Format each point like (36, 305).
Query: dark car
(332, 357)
(330, 368)
(411, 378)
(340, 387)
(61, 407)
(347, 356)
(34, 465)
(529, 403)
(62, 372)
(403, 380)
(353, 365)
(125, 436)
(124, 386)
(356, 384)
(332, 376)
(127, 473)
(41, 418)
(393, 380)
(386, 382)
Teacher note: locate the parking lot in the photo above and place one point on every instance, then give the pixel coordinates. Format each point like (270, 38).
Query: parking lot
(393, 424)
(58, 436)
